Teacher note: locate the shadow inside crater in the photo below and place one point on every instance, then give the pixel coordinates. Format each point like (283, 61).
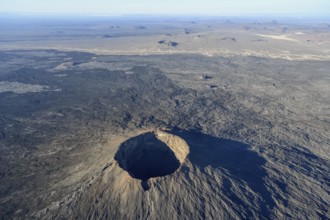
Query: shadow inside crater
(144, 157)
(234, 157)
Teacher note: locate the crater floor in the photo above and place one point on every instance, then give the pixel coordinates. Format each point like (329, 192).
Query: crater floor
(146, 155)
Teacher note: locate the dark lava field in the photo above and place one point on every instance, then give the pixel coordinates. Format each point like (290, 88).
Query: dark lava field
(164, 118)
(86, 136)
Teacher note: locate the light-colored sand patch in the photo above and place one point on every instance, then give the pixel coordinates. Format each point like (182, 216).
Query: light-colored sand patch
(299, 33)
(20, 88)
(277, 37)
(63, 66)
(104, 65)
(61, 75)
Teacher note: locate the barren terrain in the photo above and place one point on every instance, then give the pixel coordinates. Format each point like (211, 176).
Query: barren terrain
(164, 119)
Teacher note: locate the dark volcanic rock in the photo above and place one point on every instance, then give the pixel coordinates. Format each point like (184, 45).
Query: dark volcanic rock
(91, 149)
(169, 43)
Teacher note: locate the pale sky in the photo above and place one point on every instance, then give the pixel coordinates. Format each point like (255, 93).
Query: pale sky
(207, 7)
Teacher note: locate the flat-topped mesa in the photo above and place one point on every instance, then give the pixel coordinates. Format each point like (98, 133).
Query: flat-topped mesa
(152, 154)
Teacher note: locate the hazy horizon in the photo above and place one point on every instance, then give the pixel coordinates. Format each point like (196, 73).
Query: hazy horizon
(316, 8)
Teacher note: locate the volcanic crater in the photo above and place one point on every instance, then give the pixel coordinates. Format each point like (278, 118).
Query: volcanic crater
(152, 154)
